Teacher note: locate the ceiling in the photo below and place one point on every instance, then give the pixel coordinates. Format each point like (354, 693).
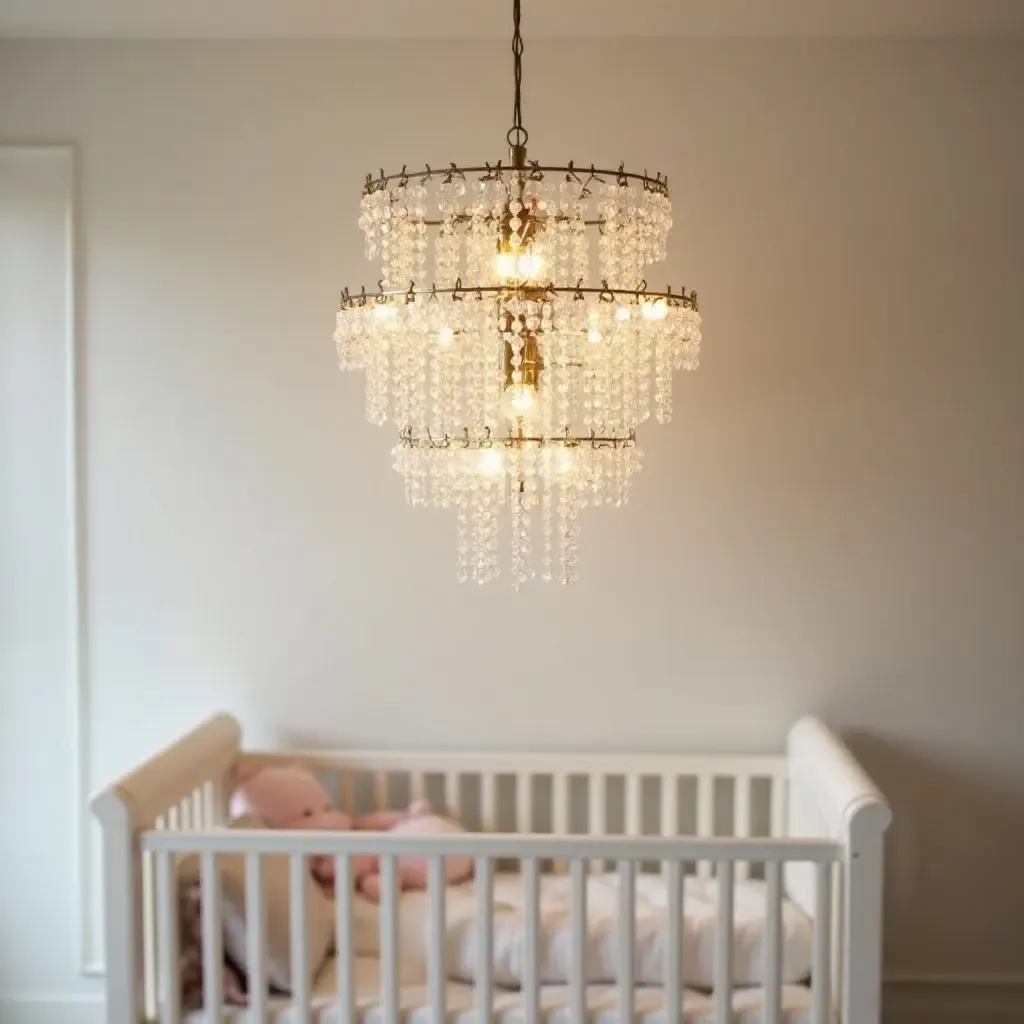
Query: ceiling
(363, 19)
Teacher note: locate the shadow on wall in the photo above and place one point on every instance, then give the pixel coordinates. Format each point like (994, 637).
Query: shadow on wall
(941, 810)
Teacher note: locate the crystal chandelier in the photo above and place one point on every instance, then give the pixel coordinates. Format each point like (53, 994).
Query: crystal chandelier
(513, 378)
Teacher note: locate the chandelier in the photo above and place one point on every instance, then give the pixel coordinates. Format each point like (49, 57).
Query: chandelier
(515, 380)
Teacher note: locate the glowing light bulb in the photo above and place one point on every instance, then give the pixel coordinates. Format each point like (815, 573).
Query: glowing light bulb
(382, 311)
(505, 265)
(622, 313)
(490, 462)
(564, 462)
(520, 402)
(529, 266)
(654, 309)
(445, 336)
(593, 335)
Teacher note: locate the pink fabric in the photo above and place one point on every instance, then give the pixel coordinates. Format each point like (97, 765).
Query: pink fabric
(412, 871)
(291, 797)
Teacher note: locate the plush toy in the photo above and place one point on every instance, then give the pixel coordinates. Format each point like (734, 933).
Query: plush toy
(289, 796)
(412, 871)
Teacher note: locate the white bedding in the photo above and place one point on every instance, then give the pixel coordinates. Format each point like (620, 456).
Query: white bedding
(700, 908)
(602, 1003)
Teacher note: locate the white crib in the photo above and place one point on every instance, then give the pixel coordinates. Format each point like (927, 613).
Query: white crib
(820, 843)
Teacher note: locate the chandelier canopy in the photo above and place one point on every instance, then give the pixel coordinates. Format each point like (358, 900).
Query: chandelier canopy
(514, 379)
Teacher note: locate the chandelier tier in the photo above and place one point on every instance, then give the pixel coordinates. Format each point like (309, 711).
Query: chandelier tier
(513, 379)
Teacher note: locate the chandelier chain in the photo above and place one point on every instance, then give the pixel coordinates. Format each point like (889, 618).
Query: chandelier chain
(517, 134)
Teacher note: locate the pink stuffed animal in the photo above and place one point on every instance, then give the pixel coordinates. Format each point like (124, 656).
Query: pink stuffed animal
(288, 796)
(412, 871)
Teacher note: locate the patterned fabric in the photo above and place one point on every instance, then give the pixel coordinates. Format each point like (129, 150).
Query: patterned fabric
(190, 959)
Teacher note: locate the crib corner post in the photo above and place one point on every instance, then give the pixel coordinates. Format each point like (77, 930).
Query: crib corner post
(122, 907)
(866, 820)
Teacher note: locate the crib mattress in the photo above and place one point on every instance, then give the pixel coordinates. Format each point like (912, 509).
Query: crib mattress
(602, 1003)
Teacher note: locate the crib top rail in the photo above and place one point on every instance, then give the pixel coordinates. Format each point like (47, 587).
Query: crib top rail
(492, 846)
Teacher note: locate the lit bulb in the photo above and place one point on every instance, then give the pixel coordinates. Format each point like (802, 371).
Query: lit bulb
(622, 313)
(445, 336)
(563, 462)
(593, 335)
(654, 310)
(518, 266)
(382, 311)
(520, 401)
(491, 463)
(505, 265)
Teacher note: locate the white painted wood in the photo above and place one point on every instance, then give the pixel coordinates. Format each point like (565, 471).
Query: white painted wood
(477, 844)
(531, 935)
(122, 908)
(389, 973)
(524, 803)
(344, 946)
(488, 801)
(213, 939)
(255, 938)
(674, 943)
(347, 791)
(634, 804)
(437, 975)
(669, 805)
(167, 939)
(380, 791)
(741, 819)
(417, 786)
(821, 957)
(578, 886)
(452, 792)
(484, 993)
(298, 871)
(723, 943)
(596, 813)
(705, 817)
(149, 926)
(777, 810)
(627, 935)
(773, 946)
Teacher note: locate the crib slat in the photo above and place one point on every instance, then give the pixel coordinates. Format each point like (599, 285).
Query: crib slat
(149, 936)
(185, 813)
(452, 795)
(723, 945)
(705, 817)
(560, 813)
(578, 882)
(485, 921)
(167, 937)
(347, 791)
(674, 945)
(595, 814)
(488, 801)
(669, 805)
(821, 957)
(417, 786)
(741, 819)
(381, 799)
(778, 807)
(773, 946)
(634, 804)
(389, 938)
(213, 956)
(256, 947)
(531, 966)
(301, 994)
(524, 803)
(627, 930)
(436, 964)
(343, 944)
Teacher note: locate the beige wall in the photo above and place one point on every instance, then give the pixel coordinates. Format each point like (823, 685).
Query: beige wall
(832, 522)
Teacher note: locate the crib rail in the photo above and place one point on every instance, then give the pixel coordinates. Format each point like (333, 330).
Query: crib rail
(487, 849)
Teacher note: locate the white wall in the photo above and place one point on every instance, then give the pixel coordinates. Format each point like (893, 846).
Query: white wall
(831, 522)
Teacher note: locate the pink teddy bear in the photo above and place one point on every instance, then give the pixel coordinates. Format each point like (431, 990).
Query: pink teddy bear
(290, 797)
